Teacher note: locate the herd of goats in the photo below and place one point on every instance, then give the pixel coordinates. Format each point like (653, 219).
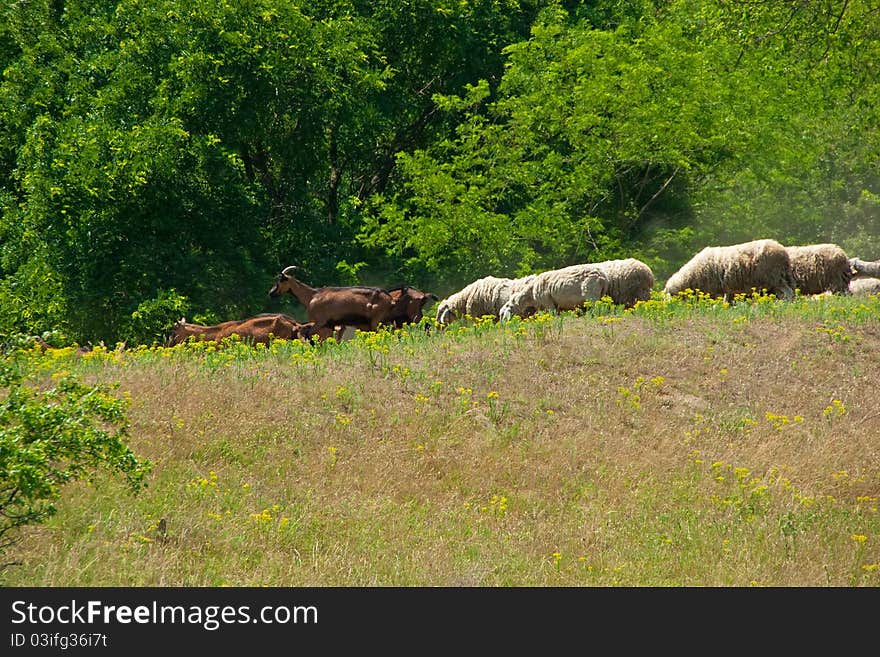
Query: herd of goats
(719, 271)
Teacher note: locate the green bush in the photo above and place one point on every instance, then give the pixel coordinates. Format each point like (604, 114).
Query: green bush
(51, 437)
(154, 317)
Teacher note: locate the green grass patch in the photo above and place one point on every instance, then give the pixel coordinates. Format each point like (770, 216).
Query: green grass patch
(684, 442)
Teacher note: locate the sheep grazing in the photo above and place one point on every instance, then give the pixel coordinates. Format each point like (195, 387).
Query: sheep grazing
(485, 296)
(364, 308)
(865, 286)
(819, 268)
(866, 277)
(629, 280)
(558, 289)
(261, 328)
(865, 269)
(724, 271)
(409, 305)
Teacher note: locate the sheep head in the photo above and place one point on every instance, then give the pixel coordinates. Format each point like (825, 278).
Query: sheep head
(445, 314)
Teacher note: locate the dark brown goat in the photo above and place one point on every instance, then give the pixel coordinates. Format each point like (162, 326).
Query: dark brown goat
(364, 308)
(409, 304)
(253, 329)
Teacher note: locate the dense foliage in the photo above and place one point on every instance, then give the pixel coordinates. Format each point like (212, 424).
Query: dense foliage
(159, 156)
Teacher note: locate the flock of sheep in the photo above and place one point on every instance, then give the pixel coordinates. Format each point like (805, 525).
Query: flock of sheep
(625, 281)
(720, 271)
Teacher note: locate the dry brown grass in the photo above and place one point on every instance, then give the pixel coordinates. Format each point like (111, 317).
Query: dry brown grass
(581, 453)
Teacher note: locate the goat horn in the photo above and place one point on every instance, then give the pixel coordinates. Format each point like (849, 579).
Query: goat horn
(289, 270)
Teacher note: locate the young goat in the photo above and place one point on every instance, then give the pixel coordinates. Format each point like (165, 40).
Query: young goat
(253, 329)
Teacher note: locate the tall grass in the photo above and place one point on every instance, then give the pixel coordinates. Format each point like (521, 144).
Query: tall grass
(680, 443)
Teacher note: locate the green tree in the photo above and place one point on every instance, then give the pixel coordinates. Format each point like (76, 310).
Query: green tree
(588, 153)
(200, 146)
(649, 129)
(811, 174)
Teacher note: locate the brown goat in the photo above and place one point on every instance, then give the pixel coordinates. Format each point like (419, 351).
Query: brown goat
(409, 304)
(253, 329)
(364, 308)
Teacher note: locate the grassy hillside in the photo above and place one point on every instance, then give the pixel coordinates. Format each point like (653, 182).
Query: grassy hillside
(682, 443)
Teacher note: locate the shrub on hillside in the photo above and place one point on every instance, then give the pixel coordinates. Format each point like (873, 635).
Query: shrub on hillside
(51, 437)
(153, 317)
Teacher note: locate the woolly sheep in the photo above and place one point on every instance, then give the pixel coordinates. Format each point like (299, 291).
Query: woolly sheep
(864, 286)
(629, 280)
(819, 268)
(485, 296)
(558, 289)
(723, 271)
(862, 268)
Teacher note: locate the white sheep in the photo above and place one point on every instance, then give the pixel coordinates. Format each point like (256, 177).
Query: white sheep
(629, 280)
(723, 271)
(558, 289)
(819, 268)
(865, 269)
(485, 296)
(864, 286)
